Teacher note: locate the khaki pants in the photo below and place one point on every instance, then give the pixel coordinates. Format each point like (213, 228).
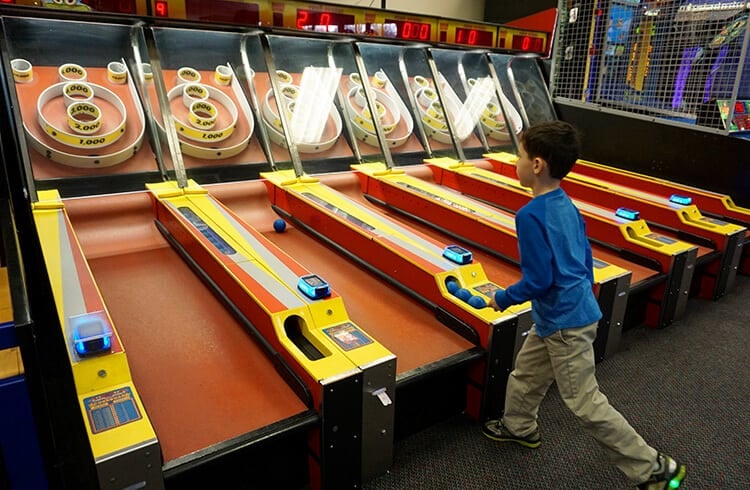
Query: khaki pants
(567, 356)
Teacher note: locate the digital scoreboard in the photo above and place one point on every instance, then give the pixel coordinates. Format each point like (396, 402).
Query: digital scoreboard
(475, 37)
(312, 20)
(359, 21)
(522, 40)
(468, 34)
(407, 29)
(322, 17)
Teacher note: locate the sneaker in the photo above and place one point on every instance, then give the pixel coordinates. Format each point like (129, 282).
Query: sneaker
(669, 475)
(495, 430)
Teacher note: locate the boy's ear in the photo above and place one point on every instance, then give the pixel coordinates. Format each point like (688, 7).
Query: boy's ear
(538, 165)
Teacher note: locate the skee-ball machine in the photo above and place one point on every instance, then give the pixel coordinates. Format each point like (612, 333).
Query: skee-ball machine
(428, 270)
(674, 259)
(712, 204)
(123, 441)
(448, 121)
(122, 448)
(350, 376)
(115, 263)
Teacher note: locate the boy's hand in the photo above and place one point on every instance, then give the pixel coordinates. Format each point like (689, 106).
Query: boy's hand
(491, 304)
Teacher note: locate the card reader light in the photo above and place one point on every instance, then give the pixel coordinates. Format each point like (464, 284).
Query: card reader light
(681, 200)
(92, 334)
(457, 254)
(313, 286)
(626, 213)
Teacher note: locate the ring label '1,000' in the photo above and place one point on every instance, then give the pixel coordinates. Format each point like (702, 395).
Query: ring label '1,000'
(91, 141)
(212, 136)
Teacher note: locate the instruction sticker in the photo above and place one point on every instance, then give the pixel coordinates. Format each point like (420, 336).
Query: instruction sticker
(112, 409)
(599, 264)
(348, 336)
(488, 289)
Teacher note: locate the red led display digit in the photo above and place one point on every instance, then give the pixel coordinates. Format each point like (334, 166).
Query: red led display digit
(324, 21)
(406, 32)
(474, 37)
(418, 31)
(518, 42)
(302, 16)
(527, 43)
(161, 9)
(424, 32)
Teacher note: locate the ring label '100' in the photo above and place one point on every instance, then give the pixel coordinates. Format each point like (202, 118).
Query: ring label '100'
(22, 70)
(223, 75)
(117, 72)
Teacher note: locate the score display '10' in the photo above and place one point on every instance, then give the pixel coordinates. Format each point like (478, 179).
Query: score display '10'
(474, 37)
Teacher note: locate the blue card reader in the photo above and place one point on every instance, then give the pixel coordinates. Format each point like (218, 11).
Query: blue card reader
(627, 213)
(457, 254)
(679, 199)
(92, 334)
(313, 286)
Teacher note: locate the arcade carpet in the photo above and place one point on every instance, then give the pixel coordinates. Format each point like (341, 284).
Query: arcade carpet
(685, 388)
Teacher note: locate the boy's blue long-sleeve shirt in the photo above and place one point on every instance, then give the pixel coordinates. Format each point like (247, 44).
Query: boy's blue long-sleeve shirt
(556, 265)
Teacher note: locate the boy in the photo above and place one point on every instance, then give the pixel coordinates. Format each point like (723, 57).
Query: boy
(557, 277)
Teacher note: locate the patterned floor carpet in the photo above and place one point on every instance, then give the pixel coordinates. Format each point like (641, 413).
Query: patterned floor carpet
(686, 390)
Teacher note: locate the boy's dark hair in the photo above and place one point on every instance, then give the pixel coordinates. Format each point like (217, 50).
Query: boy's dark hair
(557, 142)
